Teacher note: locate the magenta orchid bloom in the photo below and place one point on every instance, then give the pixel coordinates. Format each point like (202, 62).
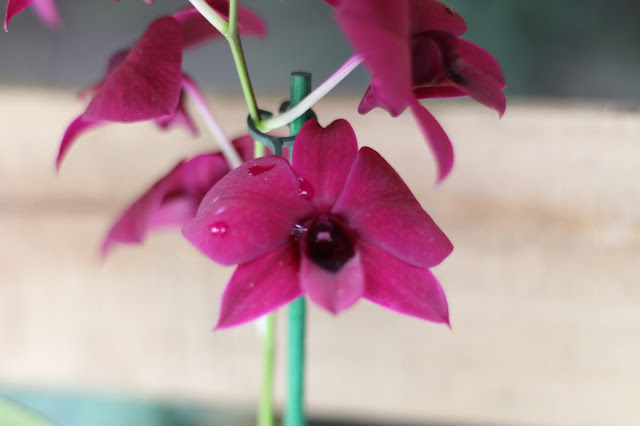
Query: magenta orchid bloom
(175, 198)
(146, 82)
(337, 224)
(413, 51)
(45, 9)
(142, 83)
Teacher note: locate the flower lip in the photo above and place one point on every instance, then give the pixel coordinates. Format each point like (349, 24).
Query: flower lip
(328, 243)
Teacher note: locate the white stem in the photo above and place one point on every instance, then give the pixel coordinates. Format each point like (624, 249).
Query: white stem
(312, 98)
(229, 152)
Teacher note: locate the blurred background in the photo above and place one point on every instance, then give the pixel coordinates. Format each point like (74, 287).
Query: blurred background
(586, 49)
(543, 208)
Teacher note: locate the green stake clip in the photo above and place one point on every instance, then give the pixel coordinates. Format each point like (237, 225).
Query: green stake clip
(275, 143)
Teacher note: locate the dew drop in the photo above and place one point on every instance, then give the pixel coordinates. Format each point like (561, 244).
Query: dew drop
(449, 10)
(260, 169)
(219, 229)
(251, 285)
(306, 190)
(298, 231)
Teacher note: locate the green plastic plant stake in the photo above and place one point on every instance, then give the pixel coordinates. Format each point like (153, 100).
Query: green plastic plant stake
(294, 414)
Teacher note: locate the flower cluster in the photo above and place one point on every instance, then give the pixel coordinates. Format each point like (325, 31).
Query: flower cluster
(335, 223)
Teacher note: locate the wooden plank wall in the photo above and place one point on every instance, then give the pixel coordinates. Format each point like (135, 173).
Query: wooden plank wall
(543, 208)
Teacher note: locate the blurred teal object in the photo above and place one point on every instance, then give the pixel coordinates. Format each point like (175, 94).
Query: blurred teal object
(49, 408)
(13, 413)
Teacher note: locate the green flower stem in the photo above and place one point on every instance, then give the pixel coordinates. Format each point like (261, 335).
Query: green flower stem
(259, 150)
(235, 43)
(245, 81)
(294, 414)
(311, 99)
(229, 29)
(265, 409)
(265, 415)
(231, 33)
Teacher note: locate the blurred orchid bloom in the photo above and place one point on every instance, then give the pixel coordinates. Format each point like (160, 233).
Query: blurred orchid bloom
(413, 51)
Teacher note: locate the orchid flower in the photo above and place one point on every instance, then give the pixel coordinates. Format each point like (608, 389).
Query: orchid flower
(174, 199)
(337, 224)
(141, 83)
(413, 51)
(146, 82)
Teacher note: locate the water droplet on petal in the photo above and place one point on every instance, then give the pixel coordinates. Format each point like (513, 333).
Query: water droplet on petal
(259, 169)
(219, 229)
(298, 230)
(306, 190)
(251, 285)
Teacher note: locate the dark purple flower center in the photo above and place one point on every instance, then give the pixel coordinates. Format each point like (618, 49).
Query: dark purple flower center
(328, 244)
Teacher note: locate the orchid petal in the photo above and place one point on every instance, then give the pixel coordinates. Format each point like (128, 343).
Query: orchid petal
(47, 12)
(438, 92)
(436, 138)
(180, 117)
(431, 15)
(261, 286)
(379, 31)
(383, 211)
(147, 83)
(196, 29)
(13, 8)
(334, 291)
(78, 126)
(249, 212)
(426, 57)
(482, 60)
(464, 65)
(401, 287)
(45, 9)
(478, 85)
(322, 158)
(482, 78)
(369, 101)
(133, 224)
(173, 200)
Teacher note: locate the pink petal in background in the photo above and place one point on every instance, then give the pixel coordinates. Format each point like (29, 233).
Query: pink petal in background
(147, 83)
(45, 9)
